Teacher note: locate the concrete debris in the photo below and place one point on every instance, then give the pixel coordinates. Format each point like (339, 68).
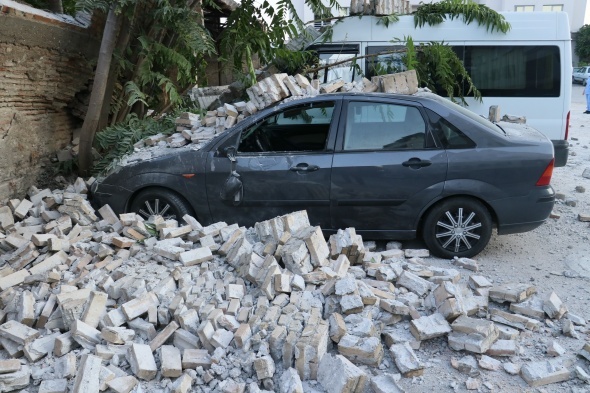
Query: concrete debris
(544, 372)
(225, 308)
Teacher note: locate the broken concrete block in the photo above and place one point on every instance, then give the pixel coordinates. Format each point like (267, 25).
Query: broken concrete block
(337, 374)
(221, 338)
(406, 360)
(183, 385)
(96, 308)
(513, 292)
(9, 366)
(193, 358)
(489, 363)
(196, 256)
(50, 263)
(337, 327)
(514, 320)
(554, 307)
(414, 283)
(474, 335)
(290, 382)
(544, 372)
(122, 384)
(163, 335)
(351, 304)
(428, 327)
(503, 348)
(117, 335)
(171, 362)
(265, 367)
(65, 366)
(18, 332)
(242, 335)
(532, 307)
(295, 256)
(466, 263)
(136, 307)
(54, 386)
(85, 335)
(386, 383)
(13, 279)
(142, 361)
(26, 309)
(554, 349)
(40, 347)
(365, 350)
(87, 378)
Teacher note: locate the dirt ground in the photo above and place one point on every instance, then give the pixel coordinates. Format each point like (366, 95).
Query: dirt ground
(554, 257)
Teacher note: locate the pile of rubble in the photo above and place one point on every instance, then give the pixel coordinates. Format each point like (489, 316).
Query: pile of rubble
(92, 301)
(192, 128)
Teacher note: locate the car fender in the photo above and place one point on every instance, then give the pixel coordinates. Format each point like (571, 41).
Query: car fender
(192, 189)
(466, 187)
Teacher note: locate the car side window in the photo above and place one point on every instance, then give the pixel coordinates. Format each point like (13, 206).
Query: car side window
(295, 129)
(449, 136)
(383, 126)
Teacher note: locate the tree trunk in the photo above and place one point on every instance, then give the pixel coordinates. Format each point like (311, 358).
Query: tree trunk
(97, 96)
(55, 6)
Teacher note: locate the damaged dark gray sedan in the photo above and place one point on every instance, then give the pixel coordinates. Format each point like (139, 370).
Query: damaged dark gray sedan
(391, 166)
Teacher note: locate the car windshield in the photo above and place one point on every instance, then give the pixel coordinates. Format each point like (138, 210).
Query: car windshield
(458, 108)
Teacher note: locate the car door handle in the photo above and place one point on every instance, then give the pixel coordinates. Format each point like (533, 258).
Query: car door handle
(304, 168)
(416, 163)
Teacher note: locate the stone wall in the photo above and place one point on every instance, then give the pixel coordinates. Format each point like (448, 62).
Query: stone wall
(44, 63)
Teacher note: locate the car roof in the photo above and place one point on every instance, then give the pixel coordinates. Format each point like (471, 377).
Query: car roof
(418, 97)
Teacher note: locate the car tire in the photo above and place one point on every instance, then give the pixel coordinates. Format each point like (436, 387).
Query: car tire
(445, 218)
(160, 201)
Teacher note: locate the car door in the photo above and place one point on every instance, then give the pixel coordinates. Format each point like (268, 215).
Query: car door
(386, 167)
(284, 164)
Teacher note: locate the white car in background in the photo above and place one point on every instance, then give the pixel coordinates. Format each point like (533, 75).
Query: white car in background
(581, 75)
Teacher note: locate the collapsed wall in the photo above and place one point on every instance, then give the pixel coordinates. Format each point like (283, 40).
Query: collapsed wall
(44, 63)
(91, 301)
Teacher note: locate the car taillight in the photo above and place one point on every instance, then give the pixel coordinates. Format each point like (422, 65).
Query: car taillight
(545, 178)
(567, 126)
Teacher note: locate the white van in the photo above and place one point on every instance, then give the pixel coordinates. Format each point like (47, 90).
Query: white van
(527, 71)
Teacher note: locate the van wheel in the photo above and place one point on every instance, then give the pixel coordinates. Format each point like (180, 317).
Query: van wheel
(457, 227)
(160, 202)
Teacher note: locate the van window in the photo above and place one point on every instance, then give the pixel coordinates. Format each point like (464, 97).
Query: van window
(496, 71)
(336, 53)
(514, 71)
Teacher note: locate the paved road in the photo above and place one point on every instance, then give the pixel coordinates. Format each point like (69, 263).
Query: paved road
(578, 94)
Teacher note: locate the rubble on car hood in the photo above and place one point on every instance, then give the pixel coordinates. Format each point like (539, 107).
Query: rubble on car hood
(94, 301)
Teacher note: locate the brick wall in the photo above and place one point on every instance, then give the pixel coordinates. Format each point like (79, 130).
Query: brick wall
(44, 63)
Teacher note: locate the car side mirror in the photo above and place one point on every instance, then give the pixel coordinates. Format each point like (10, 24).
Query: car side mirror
(230, 153)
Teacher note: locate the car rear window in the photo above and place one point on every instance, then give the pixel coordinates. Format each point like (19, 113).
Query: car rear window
(466, 112)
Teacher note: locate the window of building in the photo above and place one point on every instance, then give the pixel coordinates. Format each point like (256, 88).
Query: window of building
(524, 8)
(556, 7)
